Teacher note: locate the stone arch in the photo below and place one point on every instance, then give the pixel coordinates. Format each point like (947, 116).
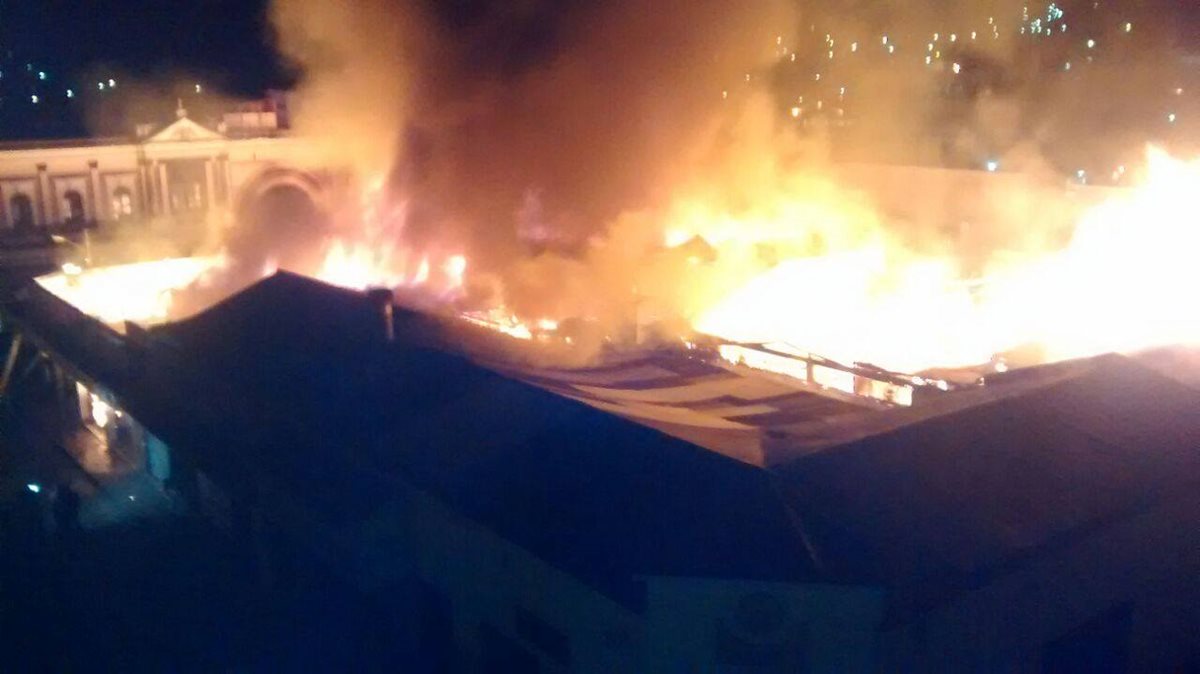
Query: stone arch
(281, 215)
(278, 178)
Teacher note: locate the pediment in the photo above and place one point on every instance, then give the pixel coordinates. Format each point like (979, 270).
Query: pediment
(184, 130)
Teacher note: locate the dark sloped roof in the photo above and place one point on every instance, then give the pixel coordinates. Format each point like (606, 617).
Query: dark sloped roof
(292, 380)
(595, 494)
(955, 496)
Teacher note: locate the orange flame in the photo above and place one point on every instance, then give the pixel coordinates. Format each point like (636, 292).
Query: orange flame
(141, 292)
(1121, 284)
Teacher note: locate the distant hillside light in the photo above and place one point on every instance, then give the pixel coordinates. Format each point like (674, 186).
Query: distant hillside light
(1171, 118)
(1128, 26)
(112, 83)
(41, 74)
(199, 89)
(992, 165)
(100, 86)
(34, 98)
(1091, 43)
(70, 93)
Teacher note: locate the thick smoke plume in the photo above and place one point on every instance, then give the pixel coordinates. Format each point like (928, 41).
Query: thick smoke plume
(534, 120)
(558, 143)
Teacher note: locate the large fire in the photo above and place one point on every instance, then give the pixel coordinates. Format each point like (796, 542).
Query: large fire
(859, 297)
(1120, 285)
(864, 298)
(374, 254)
(141, 292)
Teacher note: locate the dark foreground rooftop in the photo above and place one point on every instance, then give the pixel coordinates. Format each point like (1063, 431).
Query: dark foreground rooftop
(290, 385)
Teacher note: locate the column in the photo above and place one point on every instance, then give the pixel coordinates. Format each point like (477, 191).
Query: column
(96, 197)
(41, 193)
(210, 185)
(149, 182)
(228, 184)
(223, 178)
(164, 191)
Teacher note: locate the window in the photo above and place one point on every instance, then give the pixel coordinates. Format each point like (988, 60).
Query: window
(502, 655)
(122, 203)
(20, 212)
(549, 640)
(72, 207)
(435, 630)
(1099, 645)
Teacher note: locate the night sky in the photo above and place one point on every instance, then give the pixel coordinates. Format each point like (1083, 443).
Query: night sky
(227, 41)
(225, 44)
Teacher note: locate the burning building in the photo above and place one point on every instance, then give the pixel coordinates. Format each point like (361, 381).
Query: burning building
(685, 392)
(666, 509)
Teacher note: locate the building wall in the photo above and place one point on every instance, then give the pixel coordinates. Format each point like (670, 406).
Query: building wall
(98, 171)
(708, 626)
(492, 589)
(1148, 562)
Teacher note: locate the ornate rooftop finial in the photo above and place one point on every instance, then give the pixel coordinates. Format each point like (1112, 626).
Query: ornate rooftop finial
(180, 111)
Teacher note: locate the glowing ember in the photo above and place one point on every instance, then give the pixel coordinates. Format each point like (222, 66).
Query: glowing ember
(140, 292)
(501, 322)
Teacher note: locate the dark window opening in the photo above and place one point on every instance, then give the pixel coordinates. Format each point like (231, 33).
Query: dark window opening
(1101, 645)
(122, 203)
(72, 205)
(436, 630)
(20, 210)
(502, 655)
(549, 640)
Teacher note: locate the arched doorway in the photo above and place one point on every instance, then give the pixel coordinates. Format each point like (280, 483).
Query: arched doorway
(20, 212)
(72, 207)
(283, 224)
